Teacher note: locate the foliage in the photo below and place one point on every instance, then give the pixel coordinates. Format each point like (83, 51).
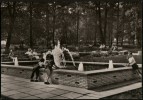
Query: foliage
(71, 22)
(115, 59)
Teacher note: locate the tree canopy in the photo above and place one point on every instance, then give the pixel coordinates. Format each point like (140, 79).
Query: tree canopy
(71, 21)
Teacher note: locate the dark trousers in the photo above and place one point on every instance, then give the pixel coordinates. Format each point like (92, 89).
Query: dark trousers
(35, 70)
(136, 68)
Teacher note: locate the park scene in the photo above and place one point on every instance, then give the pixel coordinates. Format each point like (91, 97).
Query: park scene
(71, 49)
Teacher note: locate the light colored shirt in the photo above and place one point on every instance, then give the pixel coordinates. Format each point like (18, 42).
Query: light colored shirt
(101, 47)
(131, 60)
(41, 64)
(35, 53)
(28, 53)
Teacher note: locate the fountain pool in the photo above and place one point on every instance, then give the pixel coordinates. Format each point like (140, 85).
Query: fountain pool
(89, 79)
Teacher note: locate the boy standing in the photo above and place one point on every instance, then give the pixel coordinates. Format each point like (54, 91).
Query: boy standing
(48, 69)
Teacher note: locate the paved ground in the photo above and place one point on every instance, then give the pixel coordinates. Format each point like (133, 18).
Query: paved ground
(20, 88)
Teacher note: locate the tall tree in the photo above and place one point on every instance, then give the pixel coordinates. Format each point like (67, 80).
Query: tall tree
(30, 20)
(123, 19)
(105, 22)
(54, 22)
(77, 23)
(96, 21)
(100, 23)
(47, 24)
(11, 6)
(117, 34)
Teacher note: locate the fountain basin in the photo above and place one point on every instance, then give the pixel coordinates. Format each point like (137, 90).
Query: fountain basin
(18, 71)
(82, 79)
(94, 79)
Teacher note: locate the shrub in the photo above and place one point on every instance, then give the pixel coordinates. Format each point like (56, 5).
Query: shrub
(105, 54)
(95, 54)
(115, 59)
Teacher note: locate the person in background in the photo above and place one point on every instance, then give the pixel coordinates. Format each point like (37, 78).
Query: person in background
(36, 70)
(101, 47)
(132, 63)
(29, 53)
(11, 54)
(114, 47)
(35, 54)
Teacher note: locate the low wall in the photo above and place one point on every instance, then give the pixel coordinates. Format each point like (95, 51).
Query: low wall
(85, 79)
(94, 79)
(22, 63)
(18, 71)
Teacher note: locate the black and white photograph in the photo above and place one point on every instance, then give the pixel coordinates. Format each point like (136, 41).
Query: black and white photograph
(71, 49)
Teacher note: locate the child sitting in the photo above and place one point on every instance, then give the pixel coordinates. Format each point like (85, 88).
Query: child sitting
(11, 54)
(36, 70)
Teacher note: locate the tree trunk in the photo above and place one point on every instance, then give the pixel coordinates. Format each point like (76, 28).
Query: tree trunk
(64, 32)
(31, 35)
(117, 35)
(77, 26)
(111, 34)
(12, 17)
(136, 24)
(47, 24)
(100, 25)
(95, 27)
(111, 27)
(123, 26)
(66, 27)
(109, 37)
(11, 25)
(95, 34)
(54, 18)
(105, 24)
(87, 30)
